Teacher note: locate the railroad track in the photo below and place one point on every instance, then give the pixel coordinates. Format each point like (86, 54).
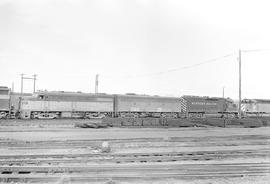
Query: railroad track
(135, 158)
(190, 141)
(65, 159)
(131, 171)
(128, 166)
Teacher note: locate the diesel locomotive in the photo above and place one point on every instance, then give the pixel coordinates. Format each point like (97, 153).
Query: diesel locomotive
(51, 105)
(198, 107)
(133, 105)
(255, 107)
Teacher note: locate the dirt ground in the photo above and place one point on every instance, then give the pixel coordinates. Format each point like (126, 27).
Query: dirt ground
(59, 137)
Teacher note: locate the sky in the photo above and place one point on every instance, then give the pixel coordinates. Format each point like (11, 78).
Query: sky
(136, 46)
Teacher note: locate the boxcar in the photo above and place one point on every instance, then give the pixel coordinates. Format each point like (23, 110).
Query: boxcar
(196, 106)
(146, 106)
(66, 105)
(4, 101)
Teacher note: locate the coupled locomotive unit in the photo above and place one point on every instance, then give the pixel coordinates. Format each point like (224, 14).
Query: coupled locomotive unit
(4, 101)
(50, 105)
(132, 105)
(196, 106)
(255, 107)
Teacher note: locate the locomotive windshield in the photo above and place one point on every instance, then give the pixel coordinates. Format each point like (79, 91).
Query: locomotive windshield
(41, 97)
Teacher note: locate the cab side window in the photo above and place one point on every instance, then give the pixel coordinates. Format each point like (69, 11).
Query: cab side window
(41, 97)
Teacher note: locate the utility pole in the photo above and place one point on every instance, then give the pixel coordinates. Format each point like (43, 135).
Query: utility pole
(22, 83)
(96, 84)
(34, 78)
(239, 103)
(12, 88)
(20, 99)
(223, 90)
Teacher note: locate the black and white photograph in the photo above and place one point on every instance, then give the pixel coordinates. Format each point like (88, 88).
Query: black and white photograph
(134, 91)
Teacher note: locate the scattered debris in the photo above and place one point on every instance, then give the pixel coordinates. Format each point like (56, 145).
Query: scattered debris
(110, 182)
(105, 148)
(92, 125)
(170, 122)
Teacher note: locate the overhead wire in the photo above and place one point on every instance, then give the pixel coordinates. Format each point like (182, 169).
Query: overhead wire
(255, 50)
(177, 69)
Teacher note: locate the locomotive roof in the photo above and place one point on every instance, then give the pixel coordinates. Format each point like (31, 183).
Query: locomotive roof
(204, 97)
(143, 96)
(62, 93)
(23, 94)
(256, 100)
(4, 88)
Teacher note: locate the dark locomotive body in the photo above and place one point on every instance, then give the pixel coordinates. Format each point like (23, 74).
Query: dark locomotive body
(198, 107)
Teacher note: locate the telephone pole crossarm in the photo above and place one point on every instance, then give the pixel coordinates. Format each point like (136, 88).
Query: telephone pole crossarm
(34, 78)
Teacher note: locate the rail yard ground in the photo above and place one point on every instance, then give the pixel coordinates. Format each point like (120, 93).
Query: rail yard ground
(58, 151)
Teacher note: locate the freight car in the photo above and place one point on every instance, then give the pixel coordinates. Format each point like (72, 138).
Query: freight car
(4, 102)
(50, 105)
(132, 105)
(255, 107)
(198, 107)
(10, 102)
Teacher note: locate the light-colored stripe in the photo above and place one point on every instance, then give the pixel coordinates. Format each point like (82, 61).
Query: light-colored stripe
(183, 105)
(243, 107)
(4, 96)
